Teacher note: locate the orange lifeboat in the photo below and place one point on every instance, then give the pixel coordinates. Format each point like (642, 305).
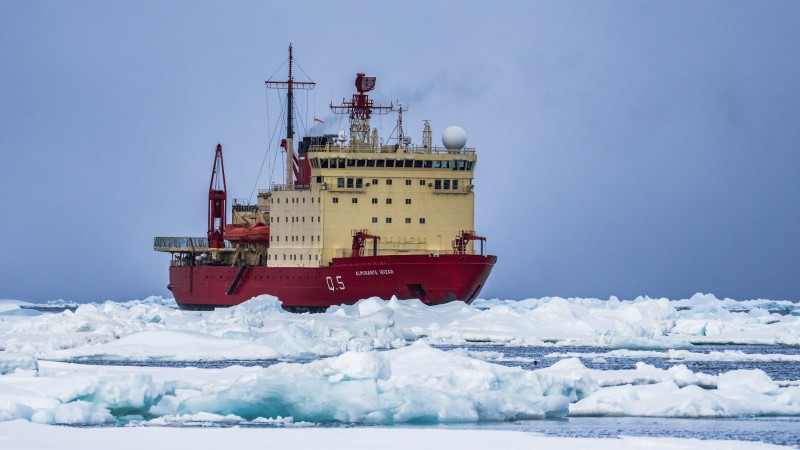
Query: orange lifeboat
(236, 233)
(258, 233)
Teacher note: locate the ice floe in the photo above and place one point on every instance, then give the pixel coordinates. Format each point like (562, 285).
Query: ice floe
(412, 384)
(373, 363)
(260, 329)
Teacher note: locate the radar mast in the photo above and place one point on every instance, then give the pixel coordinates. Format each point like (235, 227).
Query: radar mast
(288, 143)
(361, 108)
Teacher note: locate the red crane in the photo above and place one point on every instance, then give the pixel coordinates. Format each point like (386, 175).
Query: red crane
(359, 239)
(463, 238)
(217, 199)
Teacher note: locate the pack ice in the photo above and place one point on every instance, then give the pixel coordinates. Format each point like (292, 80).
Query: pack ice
(372, 362)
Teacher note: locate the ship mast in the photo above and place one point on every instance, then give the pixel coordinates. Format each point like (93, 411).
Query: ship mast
(290, 85)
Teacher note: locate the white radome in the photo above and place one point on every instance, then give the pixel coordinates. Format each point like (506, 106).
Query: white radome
(454, 138)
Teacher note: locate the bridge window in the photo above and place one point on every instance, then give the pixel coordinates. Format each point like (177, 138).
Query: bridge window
(380, 163)
(360, 163)
(417, 164)
(455, 184)
(351, 162)
(447, 184)
(437, 164)
(389, 163)
(370, 163)
(340, 182)
(350, 182)
(437, 184)
(359, 183)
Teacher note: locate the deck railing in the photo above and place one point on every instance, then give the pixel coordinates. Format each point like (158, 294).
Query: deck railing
(169, 243)
(364, 148)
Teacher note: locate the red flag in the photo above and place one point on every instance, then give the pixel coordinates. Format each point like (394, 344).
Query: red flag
(318, 120)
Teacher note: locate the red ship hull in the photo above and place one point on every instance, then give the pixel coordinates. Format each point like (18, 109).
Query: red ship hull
(432, 279)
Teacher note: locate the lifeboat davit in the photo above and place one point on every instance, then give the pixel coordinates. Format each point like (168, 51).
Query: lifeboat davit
(242, 234)
(235, 233)
(258, 233)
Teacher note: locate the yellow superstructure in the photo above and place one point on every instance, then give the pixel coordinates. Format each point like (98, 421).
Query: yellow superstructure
(416, 199)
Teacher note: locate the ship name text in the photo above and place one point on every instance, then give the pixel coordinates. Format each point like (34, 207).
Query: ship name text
(361, 273)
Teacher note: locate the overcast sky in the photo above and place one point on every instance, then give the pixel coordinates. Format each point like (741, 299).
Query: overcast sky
(625, 148)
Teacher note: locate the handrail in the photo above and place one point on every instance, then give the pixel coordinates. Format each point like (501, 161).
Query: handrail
(393, 149)
(172, 242)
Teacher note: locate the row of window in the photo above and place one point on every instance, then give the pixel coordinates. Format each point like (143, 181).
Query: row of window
(303, 238)
(342, 163)
(374, 201)
(292, 257)
(293, 238)
(389, 220)
(358, 183)
(293, 218)
(296, 200)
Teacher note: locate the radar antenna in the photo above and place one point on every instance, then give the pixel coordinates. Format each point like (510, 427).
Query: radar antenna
(361, 108)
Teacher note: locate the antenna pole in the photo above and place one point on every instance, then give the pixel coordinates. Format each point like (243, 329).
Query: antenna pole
(289, 131)
(290, 86)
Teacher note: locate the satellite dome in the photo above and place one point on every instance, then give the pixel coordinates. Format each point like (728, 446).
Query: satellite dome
(454, 138)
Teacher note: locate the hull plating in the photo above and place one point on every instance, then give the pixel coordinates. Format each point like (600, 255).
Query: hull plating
(432, 279)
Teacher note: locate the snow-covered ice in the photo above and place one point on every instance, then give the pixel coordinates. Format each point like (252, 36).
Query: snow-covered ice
(270, 332)
(373, 363)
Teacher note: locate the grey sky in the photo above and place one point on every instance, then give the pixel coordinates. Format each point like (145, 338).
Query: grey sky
(626, 148)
